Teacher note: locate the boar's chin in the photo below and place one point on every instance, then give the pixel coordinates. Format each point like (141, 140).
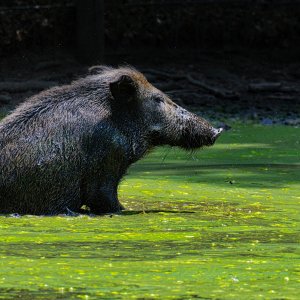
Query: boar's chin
(195, 142)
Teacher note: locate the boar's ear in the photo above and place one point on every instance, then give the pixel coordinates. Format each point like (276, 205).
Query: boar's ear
(124, 88)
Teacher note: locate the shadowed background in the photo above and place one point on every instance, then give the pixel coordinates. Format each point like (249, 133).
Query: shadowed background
(235, 59)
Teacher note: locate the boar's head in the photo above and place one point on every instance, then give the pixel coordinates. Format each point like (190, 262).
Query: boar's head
(161, 121)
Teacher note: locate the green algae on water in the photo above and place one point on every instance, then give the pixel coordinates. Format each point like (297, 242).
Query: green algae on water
(222, 223)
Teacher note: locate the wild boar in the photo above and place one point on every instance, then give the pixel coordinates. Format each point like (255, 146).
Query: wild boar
(70, 146)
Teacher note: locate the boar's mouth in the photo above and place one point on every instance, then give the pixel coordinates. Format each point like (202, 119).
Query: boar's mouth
(194, 140)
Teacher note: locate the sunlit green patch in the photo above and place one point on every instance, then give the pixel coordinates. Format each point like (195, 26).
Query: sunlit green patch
(220, 223)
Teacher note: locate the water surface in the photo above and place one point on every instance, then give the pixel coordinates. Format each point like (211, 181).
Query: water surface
(221, 223)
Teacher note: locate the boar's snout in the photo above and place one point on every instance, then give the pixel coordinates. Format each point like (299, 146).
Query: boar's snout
(199, 137)
(212, 137)
(217, 132)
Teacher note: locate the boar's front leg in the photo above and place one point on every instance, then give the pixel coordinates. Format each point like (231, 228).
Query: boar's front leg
(101, 197)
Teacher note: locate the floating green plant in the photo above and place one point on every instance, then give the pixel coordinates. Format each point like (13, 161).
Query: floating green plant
(221, 223)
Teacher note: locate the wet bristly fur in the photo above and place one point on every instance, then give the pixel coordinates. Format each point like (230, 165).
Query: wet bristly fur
(70, 146)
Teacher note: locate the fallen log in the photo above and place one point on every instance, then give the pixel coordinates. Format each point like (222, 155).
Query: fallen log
(282, 97)
(272, 87)
(214, 91)
(207, 88)
(265, 87)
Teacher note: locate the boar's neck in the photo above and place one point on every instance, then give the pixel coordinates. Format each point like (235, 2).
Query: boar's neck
(134, 139)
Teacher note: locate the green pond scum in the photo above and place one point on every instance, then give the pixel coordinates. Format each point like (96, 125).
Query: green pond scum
(220, 223)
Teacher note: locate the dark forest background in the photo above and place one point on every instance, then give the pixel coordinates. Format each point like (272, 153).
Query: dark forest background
(223, 58)
(131, 25)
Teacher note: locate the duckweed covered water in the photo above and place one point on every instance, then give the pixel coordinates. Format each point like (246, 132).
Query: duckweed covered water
(222, 223)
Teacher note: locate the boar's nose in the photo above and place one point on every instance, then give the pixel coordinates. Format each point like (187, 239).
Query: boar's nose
(217, 132)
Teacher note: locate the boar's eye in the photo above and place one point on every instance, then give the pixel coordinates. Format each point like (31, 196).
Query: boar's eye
(158, 99)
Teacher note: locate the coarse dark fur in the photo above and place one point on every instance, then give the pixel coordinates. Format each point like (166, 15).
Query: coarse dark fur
(70, 146)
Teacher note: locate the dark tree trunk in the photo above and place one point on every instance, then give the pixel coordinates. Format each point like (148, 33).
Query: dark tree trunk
(90, 30)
